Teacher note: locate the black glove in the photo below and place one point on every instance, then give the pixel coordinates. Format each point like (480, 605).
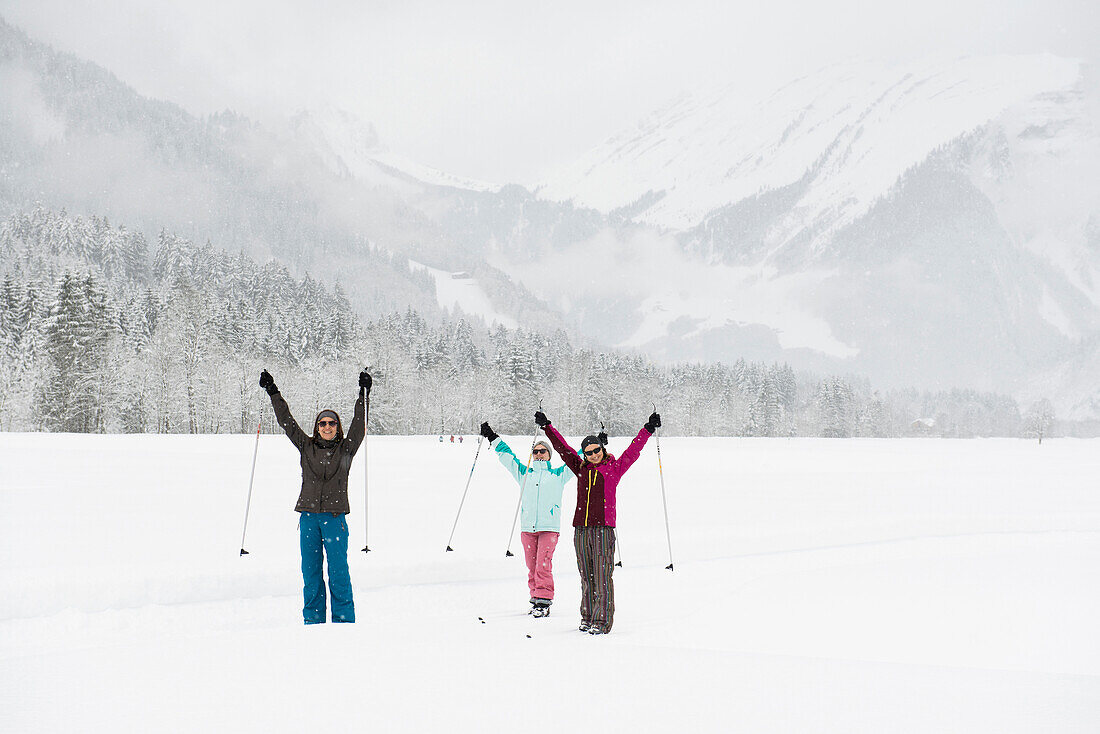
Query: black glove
(488, 432)
(541, 420)
(653, 423)
(365, 380)
(603, 438)
(267, 382)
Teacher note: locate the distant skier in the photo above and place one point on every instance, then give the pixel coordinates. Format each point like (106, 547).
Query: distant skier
(598, 476)
(323, 502)
(540, 515)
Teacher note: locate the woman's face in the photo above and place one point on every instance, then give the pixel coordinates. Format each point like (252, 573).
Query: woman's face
(594, 454)
(326, 428)
(541, 453)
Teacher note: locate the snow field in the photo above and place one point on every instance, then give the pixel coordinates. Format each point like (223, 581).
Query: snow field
(820, 585)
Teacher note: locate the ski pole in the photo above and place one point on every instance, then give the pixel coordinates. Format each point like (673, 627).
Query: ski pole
(449, 548)
(664, 502)
(366, 478)
(515, 518)
(617, 549)
(366, 496)
(248, 504)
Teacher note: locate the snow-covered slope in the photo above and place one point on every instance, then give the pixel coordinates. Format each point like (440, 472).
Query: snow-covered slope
(459, 291)
(852, 129)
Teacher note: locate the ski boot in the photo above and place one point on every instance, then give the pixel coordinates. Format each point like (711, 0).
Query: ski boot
(541, 608)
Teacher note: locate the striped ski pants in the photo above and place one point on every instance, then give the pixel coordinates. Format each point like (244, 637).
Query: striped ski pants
(595, 546)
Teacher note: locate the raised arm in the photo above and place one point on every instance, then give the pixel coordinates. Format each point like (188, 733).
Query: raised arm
(282, 411)
(358, 427)
(509, 460)
(634, 450)
(504, 453)
(567, 453)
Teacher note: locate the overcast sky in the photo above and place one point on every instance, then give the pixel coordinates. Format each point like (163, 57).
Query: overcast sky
(504, 90)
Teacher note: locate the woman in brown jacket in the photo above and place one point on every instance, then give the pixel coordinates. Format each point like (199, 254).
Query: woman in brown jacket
(323, 501)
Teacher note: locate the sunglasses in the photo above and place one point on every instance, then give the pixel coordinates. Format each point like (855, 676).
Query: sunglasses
(536, 452)
(593, 452)
(326, 423)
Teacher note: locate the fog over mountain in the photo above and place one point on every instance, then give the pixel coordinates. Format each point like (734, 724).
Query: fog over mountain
(930, 226)
(941, 219)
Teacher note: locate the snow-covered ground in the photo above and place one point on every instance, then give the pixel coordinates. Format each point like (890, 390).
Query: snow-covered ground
(820, 586)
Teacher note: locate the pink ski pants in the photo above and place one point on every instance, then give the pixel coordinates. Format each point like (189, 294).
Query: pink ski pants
(539, 551)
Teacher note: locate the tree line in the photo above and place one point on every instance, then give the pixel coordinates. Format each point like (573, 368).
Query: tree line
(98, 334)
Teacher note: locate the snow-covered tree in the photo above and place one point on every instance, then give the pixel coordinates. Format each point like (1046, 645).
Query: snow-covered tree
(1039, 419)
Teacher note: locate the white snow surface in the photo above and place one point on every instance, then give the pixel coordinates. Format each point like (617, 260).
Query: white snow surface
(819, 585)
(858, 126)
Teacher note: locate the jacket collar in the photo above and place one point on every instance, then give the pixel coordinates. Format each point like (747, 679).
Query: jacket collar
(322, 443)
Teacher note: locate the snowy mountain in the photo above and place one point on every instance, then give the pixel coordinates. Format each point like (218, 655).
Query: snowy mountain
(928, 225)
(936, 226)
(843, 136)
(321, 194)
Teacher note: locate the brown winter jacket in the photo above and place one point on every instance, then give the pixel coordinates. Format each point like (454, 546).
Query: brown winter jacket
(325, 465)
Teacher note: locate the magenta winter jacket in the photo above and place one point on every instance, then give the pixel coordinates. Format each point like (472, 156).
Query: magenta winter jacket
(596, 483)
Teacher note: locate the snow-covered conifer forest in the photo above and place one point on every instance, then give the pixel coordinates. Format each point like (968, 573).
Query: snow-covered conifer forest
(103, 332)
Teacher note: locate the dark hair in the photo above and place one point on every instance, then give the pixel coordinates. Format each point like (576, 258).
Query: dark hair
(589, 440)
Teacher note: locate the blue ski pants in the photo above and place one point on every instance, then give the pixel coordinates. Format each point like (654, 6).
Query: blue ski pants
(323, 531)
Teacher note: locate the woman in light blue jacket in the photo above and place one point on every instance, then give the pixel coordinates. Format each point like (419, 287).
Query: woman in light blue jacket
(539, 513)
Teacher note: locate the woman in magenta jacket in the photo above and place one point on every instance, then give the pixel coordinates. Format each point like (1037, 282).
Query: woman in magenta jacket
(598, 475)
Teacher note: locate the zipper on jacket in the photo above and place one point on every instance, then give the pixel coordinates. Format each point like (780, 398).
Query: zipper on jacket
(538, 505)
(588, 502)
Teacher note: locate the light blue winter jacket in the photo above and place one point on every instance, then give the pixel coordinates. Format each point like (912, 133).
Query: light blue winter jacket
(540, 506)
